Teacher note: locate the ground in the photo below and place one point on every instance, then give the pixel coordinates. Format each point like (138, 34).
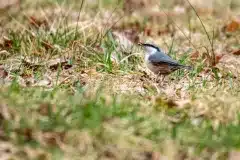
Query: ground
(74, 84)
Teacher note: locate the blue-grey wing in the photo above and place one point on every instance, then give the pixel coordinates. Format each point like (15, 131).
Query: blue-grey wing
(162, 58)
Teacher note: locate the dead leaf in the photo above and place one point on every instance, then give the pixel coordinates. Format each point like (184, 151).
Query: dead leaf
(47, 45)
(194, 56)
(233, 26)
(37, 22)
(237, 52)
(218, 58)
(6, 43)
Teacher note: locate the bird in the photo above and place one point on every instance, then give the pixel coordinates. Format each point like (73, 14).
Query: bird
(159, 62)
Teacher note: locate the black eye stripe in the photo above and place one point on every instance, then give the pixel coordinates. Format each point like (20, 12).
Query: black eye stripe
(150, 45)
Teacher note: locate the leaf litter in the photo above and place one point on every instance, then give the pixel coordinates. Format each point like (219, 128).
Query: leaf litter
(199, 102)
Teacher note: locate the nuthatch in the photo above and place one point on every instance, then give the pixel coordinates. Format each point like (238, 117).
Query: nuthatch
(159, 62)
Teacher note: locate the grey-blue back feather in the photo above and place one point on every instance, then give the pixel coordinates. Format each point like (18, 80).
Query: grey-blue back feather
(159, 57)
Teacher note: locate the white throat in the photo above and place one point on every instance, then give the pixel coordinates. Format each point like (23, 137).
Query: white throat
(149, 51)
(146, 57)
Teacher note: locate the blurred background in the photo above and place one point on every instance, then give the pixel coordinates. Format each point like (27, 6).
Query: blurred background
(216, 6)
(58, 46)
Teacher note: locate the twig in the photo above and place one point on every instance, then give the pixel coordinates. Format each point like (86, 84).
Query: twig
(179, 28)
(205, 30)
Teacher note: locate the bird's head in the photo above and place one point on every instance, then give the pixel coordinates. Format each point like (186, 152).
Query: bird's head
(149, 48)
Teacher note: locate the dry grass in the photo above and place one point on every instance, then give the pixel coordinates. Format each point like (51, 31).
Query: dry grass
(72, 88)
